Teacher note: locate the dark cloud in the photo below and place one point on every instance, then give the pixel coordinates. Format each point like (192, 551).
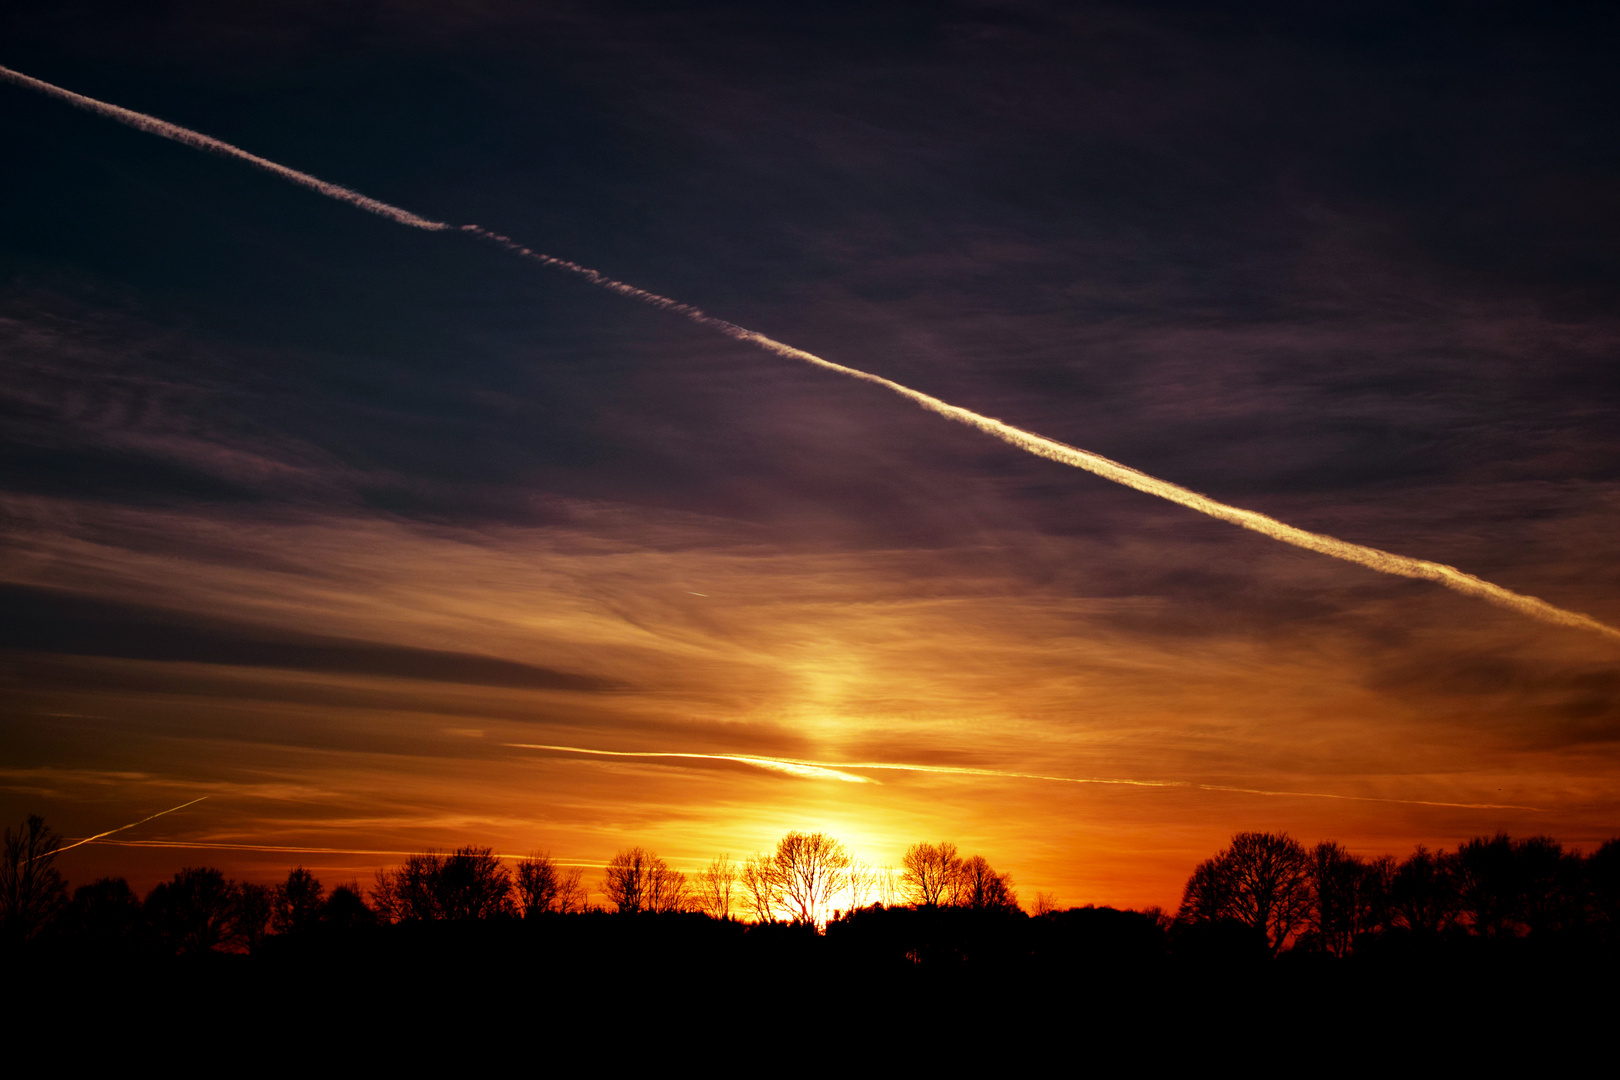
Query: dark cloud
(1538, 704)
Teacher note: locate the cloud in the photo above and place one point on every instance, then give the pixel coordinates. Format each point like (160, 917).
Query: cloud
(50, 621)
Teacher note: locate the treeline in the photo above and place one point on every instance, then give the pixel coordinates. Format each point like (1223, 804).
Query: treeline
(1264, 896)
(1325, 900)
(808, 879)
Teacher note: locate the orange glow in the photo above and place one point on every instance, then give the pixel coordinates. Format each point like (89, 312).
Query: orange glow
(1027, 726)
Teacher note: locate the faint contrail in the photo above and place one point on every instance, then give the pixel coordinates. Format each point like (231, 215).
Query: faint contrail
(835, 771)
(120, 828)
(1039, 445)
(294, 849)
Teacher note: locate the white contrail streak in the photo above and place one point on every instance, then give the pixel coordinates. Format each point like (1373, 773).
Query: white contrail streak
(1039, 445)
(1383, 561)
(121, 828)
(197, 140)
(827, 770)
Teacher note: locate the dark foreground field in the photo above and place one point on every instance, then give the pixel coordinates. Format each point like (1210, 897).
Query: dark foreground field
(955, 989)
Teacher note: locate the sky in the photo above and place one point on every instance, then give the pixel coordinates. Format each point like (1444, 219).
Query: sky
(379, 540)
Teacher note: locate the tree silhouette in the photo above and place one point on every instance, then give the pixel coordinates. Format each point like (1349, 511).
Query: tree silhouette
(761, 887)
(105, 916)
(296, 904)
(982, 889)
(1603, 882)
(31, 890)
(863, 884)
(544, 887)
(470, 883)
(537, 882)
(1423, 893)
(1261, 881)
(1551, 886)
(1211, 893)
(251, 914)
(931, 874)
(1345, 893)
(473, 884)
(345, 910)
(1489, 890)
(194, 911)
(571, 892)
(637, 880)
(810, 869)
(717, 888)
(408, 894)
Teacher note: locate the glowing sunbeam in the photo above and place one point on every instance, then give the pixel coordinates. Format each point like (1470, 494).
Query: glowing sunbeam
(121, 828)
(808, 770)
(829, 770)
(1382, 561)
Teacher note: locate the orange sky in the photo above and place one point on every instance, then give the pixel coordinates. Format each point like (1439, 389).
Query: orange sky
(936, 658)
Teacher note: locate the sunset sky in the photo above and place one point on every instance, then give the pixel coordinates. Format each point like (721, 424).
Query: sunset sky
(384, 539)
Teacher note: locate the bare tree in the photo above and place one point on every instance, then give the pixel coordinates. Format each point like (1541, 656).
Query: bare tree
(538, 885)
(295, 905)
(888, 886)
(1423, 893)
(863, 885)
(106, 915)
(810, 869)
(345, 909)
(717, 888)
(1045, 903)
(407, 894)
(637, 880)
(31, 890)
(931, 874)
(571, 891)
(250, 919)
(469, 883)
(473, 884)
(194, 911)
(1552, 880)
(1489, 892)
(1339, 889)
(1262, 881)
(1210, 893)
(982, 889)
(761, 887)
(667, 889)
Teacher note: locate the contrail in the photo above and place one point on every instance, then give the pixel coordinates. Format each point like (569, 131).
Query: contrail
(120, 828)
(197, 140)
(1382, 561)
(827, 770)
